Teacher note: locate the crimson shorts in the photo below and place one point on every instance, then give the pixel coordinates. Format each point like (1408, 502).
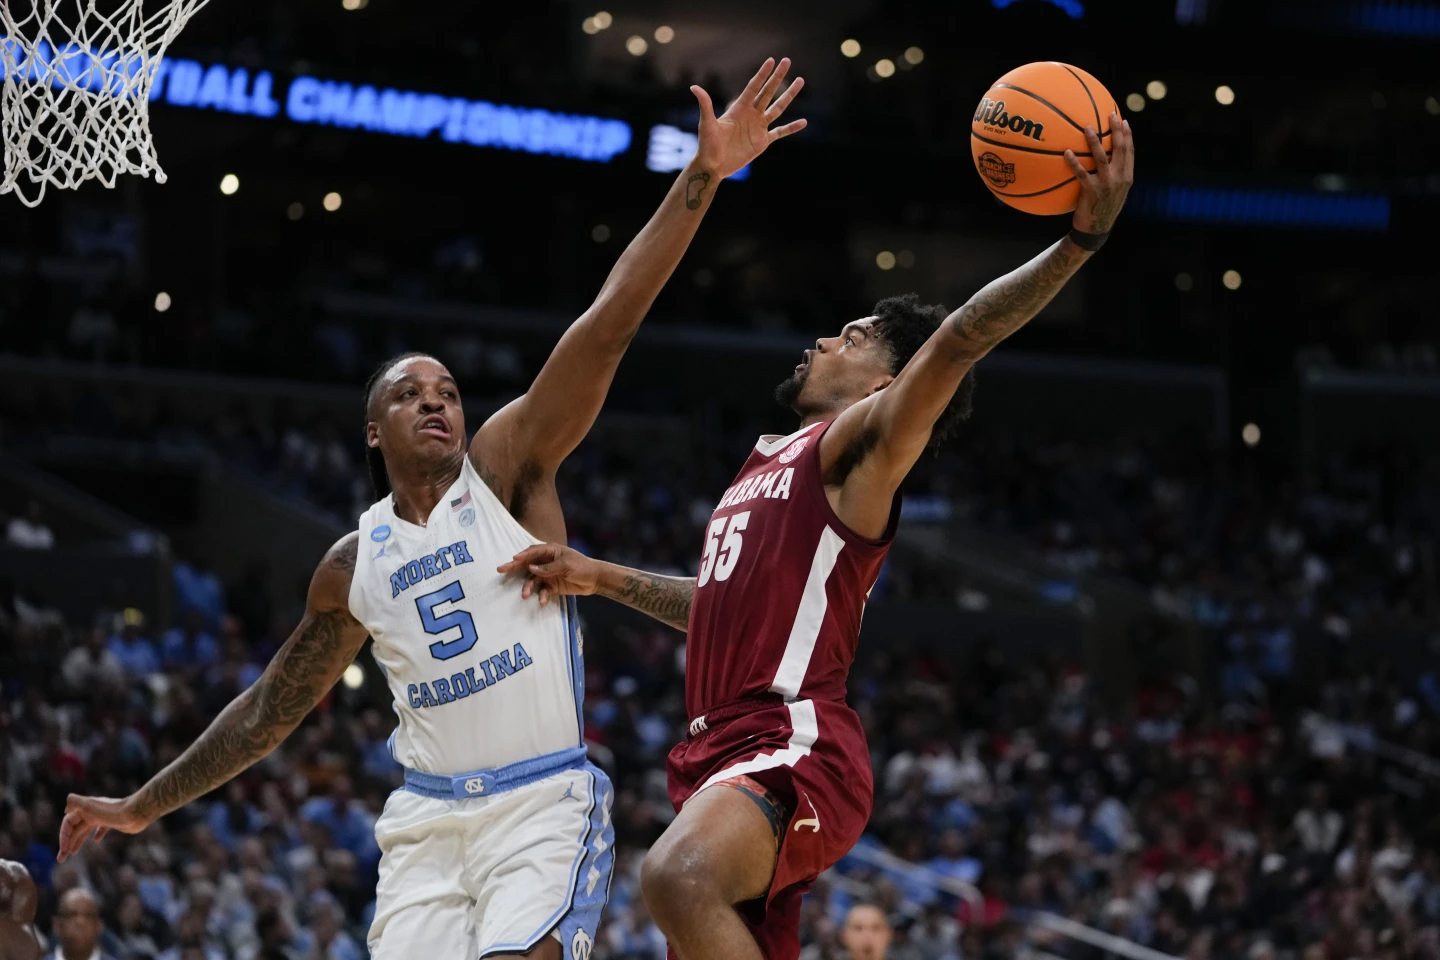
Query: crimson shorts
(813, 755)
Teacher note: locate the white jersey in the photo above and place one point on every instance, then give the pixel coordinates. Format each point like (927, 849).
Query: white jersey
(481, 678)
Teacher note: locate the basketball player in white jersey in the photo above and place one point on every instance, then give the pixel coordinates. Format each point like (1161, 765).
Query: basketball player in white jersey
(500, 843)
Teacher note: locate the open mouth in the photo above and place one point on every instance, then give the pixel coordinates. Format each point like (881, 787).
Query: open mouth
(436, 426)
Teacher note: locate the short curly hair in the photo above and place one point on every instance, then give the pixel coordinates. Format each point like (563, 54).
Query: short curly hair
(904, 323)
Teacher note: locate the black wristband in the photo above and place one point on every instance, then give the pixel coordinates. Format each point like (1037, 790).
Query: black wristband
(1088, 241)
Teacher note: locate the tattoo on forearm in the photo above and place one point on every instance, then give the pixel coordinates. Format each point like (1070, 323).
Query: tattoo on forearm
(255, 723)
(694, 188)
(667, 599)
(1006, 304)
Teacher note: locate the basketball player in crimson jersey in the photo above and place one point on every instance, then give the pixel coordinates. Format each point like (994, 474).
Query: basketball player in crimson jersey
(773, 616)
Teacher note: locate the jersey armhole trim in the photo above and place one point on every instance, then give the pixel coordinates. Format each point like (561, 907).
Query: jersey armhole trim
(812, 458)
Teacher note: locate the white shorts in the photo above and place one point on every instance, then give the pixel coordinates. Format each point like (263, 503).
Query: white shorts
(471, 878)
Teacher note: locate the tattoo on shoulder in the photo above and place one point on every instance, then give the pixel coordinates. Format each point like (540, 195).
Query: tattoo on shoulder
(695, 189)
(344, 555)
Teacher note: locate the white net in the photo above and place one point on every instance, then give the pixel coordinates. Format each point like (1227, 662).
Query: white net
(76, 100)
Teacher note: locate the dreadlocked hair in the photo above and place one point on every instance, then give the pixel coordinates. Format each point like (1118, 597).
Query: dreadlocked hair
(904, 323)
(374, 459)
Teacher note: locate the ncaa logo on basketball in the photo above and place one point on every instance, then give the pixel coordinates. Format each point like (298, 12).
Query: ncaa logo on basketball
(580, 945)
(996, 170)
(992, 114)
(794, 450)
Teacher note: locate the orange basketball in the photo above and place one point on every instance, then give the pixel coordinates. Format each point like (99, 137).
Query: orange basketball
(1023, 126)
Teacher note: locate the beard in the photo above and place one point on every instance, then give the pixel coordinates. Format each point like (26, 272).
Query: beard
(787, 394)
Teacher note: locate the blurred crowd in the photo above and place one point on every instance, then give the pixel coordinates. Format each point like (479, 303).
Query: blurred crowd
(1198, 821)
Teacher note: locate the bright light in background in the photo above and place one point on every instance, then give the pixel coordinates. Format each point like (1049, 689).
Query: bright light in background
(1250, 433)
(636, 45)
(1135, 102)
(1231, 279)
(162, 302)
(664, 34)
(1156, 90)
(914, 55)
(353, 676)
(295, 211)
(885, 260)
(1432, 106)
(332, 202)
(1184, 282)
(229, 184)
(600, 233)
(1224, 95)
(905, 258)
(590, 26)
(885, 68)
(354, 4)
(851, 48)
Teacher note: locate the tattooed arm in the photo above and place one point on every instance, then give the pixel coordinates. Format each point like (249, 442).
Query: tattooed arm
(552, 570)
(878, 440)
(539, 429)
(254, 723)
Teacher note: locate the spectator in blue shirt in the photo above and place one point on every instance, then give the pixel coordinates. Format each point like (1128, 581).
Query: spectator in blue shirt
(200, 590)
(135, 653)
(952, 861)
(234, 817)
(349, 825)
(189, 646)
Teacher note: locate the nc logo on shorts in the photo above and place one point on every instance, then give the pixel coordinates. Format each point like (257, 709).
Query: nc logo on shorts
(474, 785)
(580, 945)
(794, 450)
(468, 517)
(380, 533)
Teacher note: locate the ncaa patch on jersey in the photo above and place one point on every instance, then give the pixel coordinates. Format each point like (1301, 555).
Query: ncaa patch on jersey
(794, 450)
(468, 516)
(380, 533)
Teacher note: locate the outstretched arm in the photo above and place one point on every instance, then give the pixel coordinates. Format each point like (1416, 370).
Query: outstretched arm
(893, 425)
(254, 723)
(550, 420)
(552, 570)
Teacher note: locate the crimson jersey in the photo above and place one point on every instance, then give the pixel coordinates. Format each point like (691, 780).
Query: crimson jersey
(782, 584)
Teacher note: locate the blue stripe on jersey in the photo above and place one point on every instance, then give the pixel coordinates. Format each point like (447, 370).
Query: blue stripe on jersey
(577, 663)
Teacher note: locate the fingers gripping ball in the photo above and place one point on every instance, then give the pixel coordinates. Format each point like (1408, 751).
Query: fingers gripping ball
(1025, 123)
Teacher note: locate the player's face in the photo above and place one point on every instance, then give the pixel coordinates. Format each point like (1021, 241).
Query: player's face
(840, 371)
(417, 411)
(866, 933)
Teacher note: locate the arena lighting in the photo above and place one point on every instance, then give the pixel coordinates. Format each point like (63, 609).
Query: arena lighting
(637, 46)
(1250, 433)
(885, 67)
(1156, 90)
(1074, 9)
(1271, 208)
(353, 677)
(914, 56)
(664, 34)
(671, 148)
(1432, 106)
(600, 233)
(1231, 279)
(603, 19)
(885, 260)
(295, 211)
(1224, 95)
(162, 302)
(1184, 282)
(187, 83)
(229, 184)
(850, 48)
(332, 202)
(1135, 102)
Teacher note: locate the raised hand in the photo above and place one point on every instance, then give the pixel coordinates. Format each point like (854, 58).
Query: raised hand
(1102, 193)
(97, 815)
(552, 570)
(739, 135)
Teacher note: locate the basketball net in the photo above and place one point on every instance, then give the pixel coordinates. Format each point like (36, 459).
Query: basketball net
(76, 99)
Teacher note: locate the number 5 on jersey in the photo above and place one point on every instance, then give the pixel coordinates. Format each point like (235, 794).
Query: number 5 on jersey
(722, 547)
(461, 619)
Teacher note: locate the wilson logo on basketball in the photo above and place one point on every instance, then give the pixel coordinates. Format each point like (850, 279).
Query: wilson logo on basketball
(992, 114)
(996, 170)
(793, 451)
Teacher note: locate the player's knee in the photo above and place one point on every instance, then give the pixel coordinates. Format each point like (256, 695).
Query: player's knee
(675, 880)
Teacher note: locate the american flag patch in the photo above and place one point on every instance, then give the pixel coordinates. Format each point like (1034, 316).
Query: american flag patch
(455, 505)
